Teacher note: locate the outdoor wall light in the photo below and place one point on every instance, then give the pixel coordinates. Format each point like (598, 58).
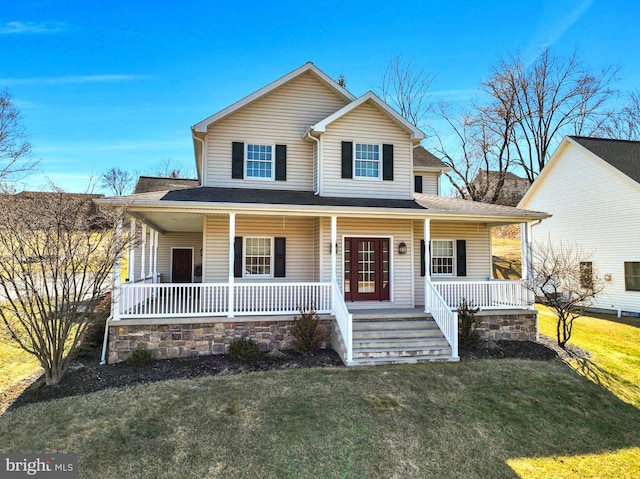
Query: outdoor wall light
(402, 248)
(607, 277)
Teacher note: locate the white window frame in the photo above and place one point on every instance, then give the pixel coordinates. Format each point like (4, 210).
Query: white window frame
(367, 178)
(246, 162)
(271, 255)
(453, 258)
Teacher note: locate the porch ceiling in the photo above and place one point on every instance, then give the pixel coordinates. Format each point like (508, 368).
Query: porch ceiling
(167, 222)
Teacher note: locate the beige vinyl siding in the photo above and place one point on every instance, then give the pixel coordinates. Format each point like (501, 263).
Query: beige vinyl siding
(366, 124)
(176, 240)
(400, 230)
(280, 117)
(300, 245)
(478, 238)
(430, 180)
(596, 207)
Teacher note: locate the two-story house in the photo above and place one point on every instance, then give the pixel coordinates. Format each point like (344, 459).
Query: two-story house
(309, 197)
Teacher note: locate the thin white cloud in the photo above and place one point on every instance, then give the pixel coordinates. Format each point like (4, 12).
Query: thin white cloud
(66, 80)
(558, 28)
(21, 28)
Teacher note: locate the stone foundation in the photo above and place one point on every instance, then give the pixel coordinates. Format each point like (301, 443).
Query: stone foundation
(497, 325)
(200, 339)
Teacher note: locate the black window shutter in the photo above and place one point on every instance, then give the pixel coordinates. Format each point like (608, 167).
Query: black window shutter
(422, 255)
(417, 183)
(237, 257)
(387, 162)
(237, 160)
(281, 162)
(280, 253)
(461, 258)
(347, 159)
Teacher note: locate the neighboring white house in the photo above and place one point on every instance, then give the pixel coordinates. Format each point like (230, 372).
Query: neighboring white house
(591, 186)
(306, 197)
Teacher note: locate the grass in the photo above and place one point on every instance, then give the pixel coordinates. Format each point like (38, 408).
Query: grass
(507, 262)
(15, 366)
(614, 345)
(473, 419)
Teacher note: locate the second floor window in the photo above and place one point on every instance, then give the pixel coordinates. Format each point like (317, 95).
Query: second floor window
(367, 161)
(259, 162)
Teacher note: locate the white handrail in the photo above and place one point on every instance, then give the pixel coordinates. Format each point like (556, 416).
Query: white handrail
(484, 294)
(443, 315)
(344, 320)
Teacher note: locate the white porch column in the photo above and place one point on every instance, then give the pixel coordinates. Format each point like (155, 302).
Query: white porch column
(232, 238)
(426, 265)
(143, 252)
(117, 281)
(525, 251)
(155, 257)
(152, 236)
(132, 251)
(334, 238)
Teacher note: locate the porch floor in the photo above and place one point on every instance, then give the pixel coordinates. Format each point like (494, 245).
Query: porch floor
(383, 314)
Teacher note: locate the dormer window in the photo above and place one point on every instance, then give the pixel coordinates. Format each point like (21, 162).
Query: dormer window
(259, 162)
(367, 161)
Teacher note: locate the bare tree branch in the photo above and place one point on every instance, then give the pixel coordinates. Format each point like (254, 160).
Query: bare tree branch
(117, 181)
(15, 150)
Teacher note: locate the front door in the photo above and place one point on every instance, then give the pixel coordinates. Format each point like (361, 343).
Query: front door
(182, 265)
(366, 269)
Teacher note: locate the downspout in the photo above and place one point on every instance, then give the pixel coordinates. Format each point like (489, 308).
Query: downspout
(193, 135)
(308, 134)
(103, 358)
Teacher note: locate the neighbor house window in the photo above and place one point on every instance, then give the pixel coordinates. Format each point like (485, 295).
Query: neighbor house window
(632, 275)
(586, 274)
(367, 161)
(442, 257)
(259, 162)
(258, 257)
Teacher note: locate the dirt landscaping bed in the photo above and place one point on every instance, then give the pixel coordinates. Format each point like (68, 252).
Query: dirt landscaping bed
(86, 375)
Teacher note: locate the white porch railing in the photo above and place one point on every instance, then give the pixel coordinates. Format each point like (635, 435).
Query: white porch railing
(484, 294)
(344, 320)
(281, 298)
(140, 300)
(445, 317)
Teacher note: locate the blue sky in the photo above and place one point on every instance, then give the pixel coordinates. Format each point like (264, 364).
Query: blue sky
(120, 84)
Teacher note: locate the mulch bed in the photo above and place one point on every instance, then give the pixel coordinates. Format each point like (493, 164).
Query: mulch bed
(86, 375)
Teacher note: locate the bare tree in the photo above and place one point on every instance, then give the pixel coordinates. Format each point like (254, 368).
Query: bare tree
(117, 181)
(552, 97)
(58, 252)
(167, 168)
(15, 150)
(563, 278)
(405, 86)
(624, 123)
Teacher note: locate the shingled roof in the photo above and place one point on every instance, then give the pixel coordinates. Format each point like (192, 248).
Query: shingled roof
(623, 155)
(423, 158)
(147, 184)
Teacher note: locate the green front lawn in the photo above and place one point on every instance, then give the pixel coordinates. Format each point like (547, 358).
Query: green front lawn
(614, 345)
(15, 366)
(484, 419)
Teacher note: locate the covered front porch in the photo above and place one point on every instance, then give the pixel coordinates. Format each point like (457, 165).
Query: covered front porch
(316, 276)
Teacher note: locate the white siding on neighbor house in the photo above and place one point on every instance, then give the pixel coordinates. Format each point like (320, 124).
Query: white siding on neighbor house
(400, 230)
(300, 245)
(366, 124)
(478, 244)
(596, 207)
(430, 180)
(176, 240)
(280, 117)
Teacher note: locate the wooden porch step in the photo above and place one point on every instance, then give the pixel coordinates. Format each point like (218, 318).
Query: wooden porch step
(432, 358)
(360, 345)
(417, 333)
(395, 324)
(396, 353)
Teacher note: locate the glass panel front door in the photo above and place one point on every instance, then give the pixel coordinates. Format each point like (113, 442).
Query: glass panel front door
(366, 269)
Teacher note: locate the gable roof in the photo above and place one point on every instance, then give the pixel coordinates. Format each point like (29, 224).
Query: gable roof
(201, 126)
(147, 184)
(320, 127)
(623, 155)
(423, 158)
